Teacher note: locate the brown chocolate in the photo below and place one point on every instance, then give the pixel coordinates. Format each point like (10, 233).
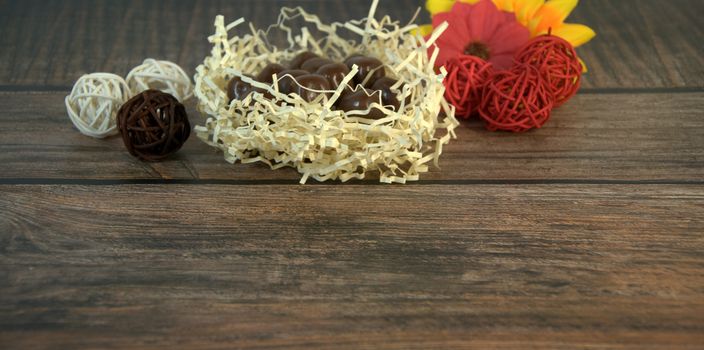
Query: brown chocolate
(353, 56)
(367, 66)
(361, 100)
(384, 85)
(238, 89)
(297, 61)
(311, 81)
(266, 75)
(287, 84)
(334, 72)
(313, 64)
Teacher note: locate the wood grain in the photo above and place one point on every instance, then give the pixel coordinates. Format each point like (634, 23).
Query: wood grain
(352, 267)
(587, 234)
(640, 43)
(595, 136)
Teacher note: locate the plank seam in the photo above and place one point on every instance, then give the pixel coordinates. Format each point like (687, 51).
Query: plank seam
(120, 182)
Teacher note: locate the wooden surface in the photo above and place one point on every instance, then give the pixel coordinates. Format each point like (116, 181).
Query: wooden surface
(586, 234)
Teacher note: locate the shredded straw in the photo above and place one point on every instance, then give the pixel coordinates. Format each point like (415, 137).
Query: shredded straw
(322, 143)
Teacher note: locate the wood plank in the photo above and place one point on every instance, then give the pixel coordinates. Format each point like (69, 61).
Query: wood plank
(352, 267)
(641, 43)
(595, 136)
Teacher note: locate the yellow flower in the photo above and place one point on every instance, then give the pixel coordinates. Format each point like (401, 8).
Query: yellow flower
(538, 16)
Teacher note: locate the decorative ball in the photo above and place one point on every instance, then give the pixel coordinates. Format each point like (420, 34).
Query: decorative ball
(94, 101)
(161, 75)
(153, 125)
(558, 61)
(516, 100)
(465, 78)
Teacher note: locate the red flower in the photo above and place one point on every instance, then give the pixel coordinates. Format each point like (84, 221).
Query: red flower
(480, 30)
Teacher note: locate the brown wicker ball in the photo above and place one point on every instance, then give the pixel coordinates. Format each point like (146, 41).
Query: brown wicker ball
(153, 125)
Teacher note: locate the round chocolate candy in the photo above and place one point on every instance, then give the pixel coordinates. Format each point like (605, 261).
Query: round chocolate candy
(387, 96)
(238, 89)
(267, 74)
(361, 100)
(297, 61)
(313, 64)
(287, 80)
(334, 72)
(311, 81)
(357, 54)
(367, 66)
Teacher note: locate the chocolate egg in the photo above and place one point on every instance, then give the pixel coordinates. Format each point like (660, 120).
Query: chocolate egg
(387, 96)
(287, 83)
(266, 75)
(297, 61)
(353, 56)
(238, 89)
(361, 100)
(313, 64)
(367, 66)
(311, 81)
(334, 72)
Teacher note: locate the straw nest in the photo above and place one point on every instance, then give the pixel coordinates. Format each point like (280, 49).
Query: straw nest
(320, 142)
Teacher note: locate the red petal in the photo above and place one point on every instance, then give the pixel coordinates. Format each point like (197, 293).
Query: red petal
(456, 31)
(444, 55)
(484, 20)
(502, 62)
(508, 39)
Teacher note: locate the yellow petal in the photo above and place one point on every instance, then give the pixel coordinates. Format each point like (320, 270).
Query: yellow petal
(553, 14)
(438, 6)
(562, 8)
(526, 9)
(504, 5)
(584, 66)
(575, 34)
(423, 30)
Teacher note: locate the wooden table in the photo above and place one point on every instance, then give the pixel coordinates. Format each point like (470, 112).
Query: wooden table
(588, 233)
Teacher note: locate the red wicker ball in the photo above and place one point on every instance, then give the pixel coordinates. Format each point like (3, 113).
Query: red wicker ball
(558, 61)
(463, 85)
(516, 100)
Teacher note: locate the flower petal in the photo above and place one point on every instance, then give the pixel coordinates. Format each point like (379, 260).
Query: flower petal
(526, 9)
(504, 5)
(437, 6)
(445, 54)
(510, 38)
(502, 62)
(584, 67)
(423, 30)
(484, 20)
(575, 34)
(456, 34)
(554, 13)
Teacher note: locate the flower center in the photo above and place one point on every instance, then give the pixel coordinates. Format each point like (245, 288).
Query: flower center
(478, 49)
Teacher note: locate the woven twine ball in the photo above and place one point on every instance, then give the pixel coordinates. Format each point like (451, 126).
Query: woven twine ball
(466, 76)
(93, 103)
(161, 75)
(558, 61)
(516, 100)
(153, 125)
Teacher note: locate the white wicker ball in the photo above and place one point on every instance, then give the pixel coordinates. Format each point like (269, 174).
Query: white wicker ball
(94, 102)
(160, 75)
